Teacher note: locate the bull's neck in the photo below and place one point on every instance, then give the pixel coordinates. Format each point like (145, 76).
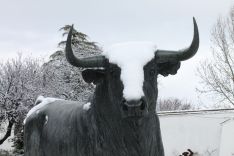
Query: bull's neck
(134, 137)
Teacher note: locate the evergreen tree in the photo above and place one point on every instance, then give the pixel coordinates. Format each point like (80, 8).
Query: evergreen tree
(63, 80)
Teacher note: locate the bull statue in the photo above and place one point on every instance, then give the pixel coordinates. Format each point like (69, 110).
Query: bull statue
(121, 118)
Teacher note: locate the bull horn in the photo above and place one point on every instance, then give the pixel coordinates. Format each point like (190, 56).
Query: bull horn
(181, 55)
(89, 62)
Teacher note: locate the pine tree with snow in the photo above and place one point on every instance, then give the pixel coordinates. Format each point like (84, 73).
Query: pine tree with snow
(63, 80)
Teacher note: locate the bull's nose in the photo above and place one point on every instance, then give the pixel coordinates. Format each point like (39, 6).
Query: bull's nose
(134, 104)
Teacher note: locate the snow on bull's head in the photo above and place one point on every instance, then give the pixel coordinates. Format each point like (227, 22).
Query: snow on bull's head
(129, 72)
(131, 57)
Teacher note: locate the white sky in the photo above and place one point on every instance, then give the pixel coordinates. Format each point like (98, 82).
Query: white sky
(31, 27)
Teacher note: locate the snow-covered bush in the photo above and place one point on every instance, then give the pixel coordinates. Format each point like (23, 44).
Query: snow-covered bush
(20, 83)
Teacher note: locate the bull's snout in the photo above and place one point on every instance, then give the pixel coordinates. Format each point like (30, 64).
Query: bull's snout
(137, 104)
(134, 108)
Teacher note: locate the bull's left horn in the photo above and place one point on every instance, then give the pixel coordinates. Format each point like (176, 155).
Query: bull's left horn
(181, 55)
(89, 62)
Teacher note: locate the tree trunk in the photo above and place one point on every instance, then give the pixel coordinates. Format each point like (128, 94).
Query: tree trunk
(8, 133)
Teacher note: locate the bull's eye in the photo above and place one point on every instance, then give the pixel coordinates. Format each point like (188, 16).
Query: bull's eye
(152, 72)
(114, 73)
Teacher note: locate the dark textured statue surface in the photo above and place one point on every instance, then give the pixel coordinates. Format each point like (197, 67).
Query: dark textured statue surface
(111, 124)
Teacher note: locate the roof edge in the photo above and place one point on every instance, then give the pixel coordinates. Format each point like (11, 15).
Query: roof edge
(179, 112)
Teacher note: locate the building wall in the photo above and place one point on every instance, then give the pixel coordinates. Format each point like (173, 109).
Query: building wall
(227, 139)
(199, 131)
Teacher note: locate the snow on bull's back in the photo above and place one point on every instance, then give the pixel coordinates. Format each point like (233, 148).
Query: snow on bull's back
(42, 101)
(131, 58)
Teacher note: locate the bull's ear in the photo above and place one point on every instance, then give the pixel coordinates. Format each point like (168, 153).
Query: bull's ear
(93, 75)
(168, 68)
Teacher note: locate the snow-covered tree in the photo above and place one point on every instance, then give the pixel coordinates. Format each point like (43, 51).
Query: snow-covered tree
(63, 80)
(20, 83)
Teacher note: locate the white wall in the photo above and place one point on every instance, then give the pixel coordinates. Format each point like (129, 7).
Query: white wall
(199, 131)
(227, 139)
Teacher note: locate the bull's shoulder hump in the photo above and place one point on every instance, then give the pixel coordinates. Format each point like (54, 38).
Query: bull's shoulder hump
(52, 104)
(65, 104)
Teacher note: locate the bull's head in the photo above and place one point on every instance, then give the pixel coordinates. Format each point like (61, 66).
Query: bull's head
(163, 62)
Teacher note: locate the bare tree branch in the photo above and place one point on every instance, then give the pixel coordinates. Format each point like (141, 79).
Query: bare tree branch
(171, 104)
(217, 75)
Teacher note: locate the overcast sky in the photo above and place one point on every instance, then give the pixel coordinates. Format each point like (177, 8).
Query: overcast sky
(31, 27)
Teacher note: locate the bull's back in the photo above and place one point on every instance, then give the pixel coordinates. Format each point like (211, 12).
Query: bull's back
(53, 130)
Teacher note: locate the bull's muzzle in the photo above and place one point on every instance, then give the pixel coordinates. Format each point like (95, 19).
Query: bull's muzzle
(134, 108)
